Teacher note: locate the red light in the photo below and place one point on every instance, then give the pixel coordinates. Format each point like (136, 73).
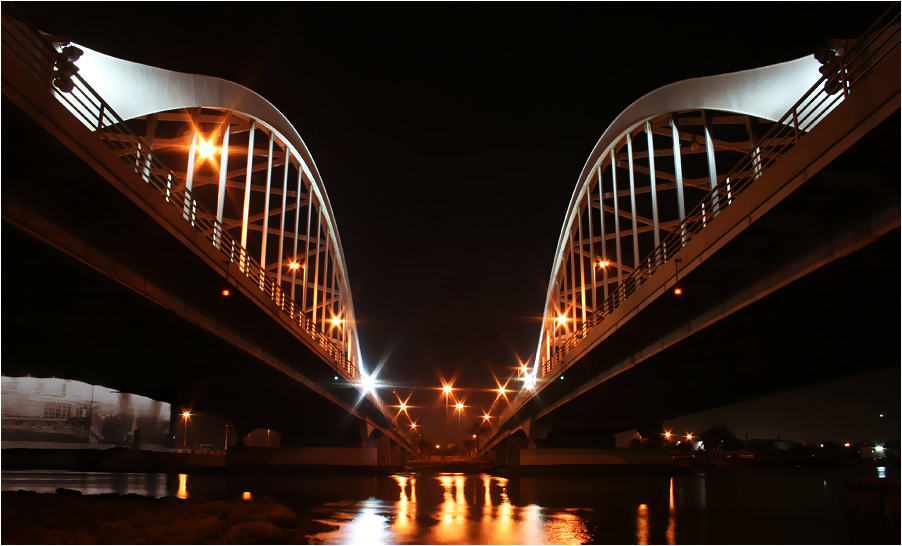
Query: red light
(225, 292)
(677, 291)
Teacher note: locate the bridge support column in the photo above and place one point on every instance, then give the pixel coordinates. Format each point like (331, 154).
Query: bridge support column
(512, 446)
(534, 432)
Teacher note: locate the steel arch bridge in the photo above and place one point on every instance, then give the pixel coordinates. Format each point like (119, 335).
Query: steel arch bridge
(663, 171)
(229, 175)
(243, 178)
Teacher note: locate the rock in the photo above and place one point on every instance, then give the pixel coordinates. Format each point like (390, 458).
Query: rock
(64, 491)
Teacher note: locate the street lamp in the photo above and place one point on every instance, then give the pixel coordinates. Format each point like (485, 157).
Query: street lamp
(187, 416)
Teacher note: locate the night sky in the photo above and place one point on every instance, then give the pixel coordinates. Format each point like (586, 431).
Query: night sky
(450, 136)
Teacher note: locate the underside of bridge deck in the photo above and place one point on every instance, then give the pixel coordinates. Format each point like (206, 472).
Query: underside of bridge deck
(63, 318)
(840, 319)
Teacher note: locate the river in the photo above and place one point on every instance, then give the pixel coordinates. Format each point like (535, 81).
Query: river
(710, 506)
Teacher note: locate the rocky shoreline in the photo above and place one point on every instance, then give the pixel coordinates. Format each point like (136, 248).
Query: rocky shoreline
(69, 517)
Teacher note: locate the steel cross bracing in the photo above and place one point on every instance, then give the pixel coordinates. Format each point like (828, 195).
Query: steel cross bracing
(659, 183)
(257, 199)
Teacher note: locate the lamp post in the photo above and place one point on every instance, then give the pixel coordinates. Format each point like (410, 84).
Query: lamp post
(447, 392)
(187, 416)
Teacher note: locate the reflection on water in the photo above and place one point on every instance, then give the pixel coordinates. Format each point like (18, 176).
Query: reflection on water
(89, 483)
(771, 506)
(453, 509)
(642, 524)
(182, 493)
(671, 521)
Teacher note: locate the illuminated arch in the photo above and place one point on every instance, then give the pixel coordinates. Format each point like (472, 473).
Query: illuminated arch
(175, 114)
(626, 197)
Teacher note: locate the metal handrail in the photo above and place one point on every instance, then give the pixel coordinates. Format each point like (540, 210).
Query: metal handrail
(92, 110)
(842, 74)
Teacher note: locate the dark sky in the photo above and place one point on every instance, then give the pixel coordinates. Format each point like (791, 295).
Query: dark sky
(450, 136)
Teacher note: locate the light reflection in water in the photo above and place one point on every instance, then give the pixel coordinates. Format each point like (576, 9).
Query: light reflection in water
(642, 524)
(405, 516)
(671, 521)
(453, 518)
(183, 487)
(565, 528)
(369, 527)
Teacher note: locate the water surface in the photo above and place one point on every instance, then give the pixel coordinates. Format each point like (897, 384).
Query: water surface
(729, 506)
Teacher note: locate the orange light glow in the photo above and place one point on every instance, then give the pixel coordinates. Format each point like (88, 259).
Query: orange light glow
(186, 414)
(336, 321)
(182, 493)
(667, 435)
(561, 319)
(403, 406)
(225, 292)
(486, 416)
(436, 446)
(246, 496)
(413, 425)
(206, 149)
(688, 436)
(603, 263)
(459, 406)
(677, 291)
(502, 390)
(524, 368)
(294, 265)
(474, 435)
(447, 389)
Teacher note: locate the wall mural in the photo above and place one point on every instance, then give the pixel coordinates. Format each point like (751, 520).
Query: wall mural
(50, 412)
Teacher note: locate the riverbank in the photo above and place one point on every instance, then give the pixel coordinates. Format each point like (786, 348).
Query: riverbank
(68, 517)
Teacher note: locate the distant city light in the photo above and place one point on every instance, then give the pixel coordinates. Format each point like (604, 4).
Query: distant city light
(294, 265)
(246, 496)
(677, 291)
(459, 406)
(879, 448)
(667, 435)
(225, 292)
(881, 415)
(447, 389)
(436, 446)
(847, 444)
(524, 368)
(486, 417)
(502, 390)
(603, 263)
(413, 425)
(336, 321)
(561, 319)
(688, 436)
(562, 377)
(403, 406)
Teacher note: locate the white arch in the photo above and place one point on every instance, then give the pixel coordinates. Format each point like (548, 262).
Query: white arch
(767, 93)
(135, 90)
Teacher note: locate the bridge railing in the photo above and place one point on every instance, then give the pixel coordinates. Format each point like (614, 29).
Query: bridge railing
(51, 67)
(837, 82)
